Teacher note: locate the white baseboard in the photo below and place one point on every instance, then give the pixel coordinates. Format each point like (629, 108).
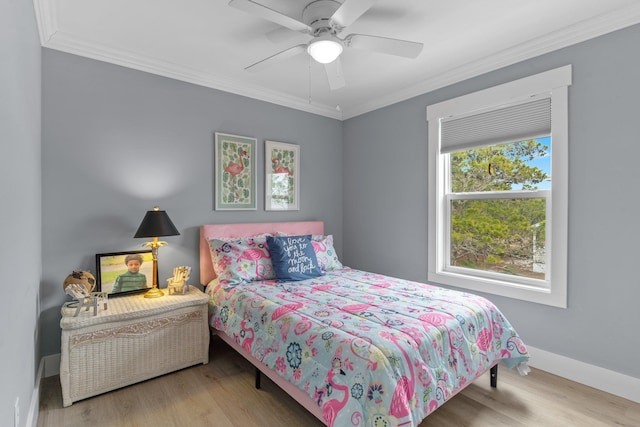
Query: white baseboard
(593, 376)
(51, 365)
(34, 405)
(48, 367)
(599, 378)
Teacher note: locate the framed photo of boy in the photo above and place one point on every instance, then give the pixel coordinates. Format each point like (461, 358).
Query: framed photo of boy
(236, 175)
(282, 176)
(124, 273)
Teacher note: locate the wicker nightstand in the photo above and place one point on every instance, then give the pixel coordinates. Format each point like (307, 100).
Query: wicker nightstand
(135, 339)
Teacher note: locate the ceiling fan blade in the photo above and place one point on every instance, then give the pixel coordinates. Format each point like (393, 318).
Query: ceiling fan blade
(335, 75)
(280, 56)
(270, 15)
(405, 48)
(351, 10)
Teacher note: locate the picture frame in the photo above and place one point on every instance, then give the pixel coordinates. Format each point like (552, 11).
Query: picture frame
(282, 176)
(110, 266)
(235, 172)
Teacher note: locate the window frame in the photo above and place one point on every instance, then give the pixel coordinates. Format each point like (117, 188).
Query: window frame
(553, 291)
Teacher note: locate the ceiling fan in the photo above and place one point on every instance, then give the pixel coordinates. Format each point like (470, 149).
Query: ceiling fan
(324, 20)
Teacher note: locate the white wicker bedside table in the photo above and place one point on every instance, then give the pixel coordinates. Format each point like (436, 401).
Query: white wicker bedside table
(135, 339)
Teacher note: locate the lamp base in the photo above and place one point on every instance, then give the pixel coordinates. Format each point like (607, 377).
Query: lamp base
(153, 293)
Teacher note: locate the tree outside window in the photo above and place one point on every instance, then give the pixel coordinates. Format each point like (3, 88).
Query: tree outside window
(507, 234)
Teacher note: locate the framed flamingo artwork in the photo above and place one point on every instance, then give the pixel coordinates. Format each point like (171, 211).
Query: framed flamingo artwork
(235, 172)
(282, 176)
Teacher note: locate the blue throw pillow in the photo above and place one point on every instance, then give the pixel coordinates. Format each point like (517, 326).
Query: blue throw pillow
(293, 258)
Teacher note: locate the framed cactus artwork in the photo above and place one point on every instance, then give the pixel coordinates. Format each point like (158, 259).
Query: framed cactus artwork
(235, 179)
(282, 176)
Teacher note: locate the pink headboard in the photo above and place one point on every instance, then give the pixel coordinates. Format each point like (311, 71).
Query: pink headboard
(226, 231)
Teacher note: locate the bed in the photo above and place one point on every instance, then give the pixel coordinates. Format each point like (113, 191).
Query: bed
(353, 347)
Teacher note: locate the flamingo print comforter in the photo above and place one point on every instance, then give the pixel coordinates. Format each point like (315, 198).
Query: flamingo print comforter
(370, 350)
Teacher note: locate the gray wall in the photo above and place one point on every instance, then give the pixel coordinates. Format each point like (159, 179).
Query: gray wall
(116, 142)
(20, 248)
(385, 200)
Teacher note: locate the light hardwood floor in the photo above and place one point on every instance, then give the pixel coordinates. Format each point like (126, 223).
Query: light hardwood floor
(222, 394)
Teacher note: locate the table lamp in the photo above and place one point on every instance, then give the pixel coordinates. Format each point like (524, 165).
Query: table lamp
(156, 223)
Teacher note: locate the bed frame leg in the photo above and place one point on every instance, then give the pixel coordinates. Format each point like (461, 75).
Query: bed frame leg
(257, 378)
(494, 376)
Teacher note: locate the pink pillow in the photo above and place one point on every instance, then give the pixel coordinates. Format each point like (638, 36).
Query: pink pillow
(242, 260)
(325, 253)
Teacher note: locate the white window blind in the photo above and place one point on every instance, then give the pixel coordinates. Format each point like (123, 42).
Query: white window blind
(509, 124)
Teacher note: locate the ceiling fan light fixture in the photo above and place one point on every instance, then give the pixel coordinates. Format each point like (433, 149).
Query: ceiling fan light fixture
(325, 50)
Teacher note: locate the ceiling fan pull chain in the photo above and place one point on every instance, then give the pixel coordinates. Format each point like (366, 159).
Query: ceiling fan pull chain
(309, 80)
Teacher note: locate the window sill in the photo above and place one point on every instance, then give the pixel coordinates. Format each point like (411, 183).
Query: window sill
(535, 294)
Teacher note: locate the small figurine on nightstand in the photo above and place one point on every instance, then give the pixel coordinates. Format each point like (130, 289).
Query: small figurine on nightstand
(79, 285)
(179, 283)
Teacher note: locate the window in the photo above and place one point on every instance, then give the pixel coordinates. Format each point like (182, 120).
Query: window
(498, 187)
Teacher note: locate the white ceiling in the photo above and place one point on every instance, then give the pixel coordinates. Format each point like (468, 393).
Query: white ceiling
(208, 43)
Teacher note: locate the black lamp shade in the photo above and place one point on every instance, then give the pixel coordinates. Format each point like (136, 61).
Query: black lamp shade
(156, 223)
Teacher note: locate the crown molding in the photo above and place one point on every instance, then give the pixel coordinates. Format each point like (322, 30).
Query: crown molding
(47, 19)
(568, 36)
(68, 43)
(51, 37)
